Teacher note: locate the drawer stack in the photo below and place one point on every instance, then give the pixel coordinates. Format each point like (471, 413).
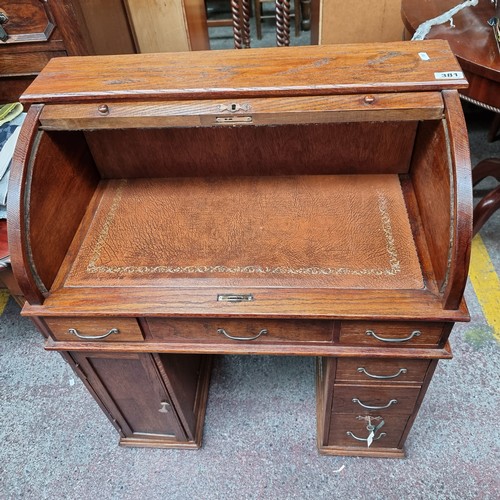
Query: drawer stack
(367, 404)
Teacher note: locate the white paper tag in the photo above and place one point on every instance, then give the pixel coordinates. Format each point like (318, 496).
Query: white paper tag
(424, 56)
(369, 439)
(449, 75)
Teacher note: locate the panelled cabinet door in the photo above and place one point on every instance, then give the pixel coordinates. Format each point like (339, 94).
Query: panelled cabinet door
(132, 390)
(26, 21)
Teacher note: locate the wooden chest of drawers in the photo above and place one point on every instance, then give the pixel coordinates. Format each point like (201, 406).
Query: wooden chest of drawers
(311, 201)
(34, 32)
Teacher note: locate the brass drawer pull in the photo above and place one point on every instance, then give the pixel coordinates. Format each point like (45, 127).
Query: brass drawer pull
(74, 331)
(382, 377)
(349, 433)
(221, 330)
(368, 407)
(415, 333)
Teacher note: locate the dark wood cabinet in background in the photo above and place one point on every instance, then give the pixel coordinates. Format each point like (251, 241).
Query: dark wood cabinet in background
(36, 31)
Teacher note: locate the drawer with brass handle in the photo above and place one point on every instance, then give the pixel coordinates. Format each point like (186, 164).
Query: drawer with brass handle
(391, 334)
(353, 430)
(381, 370)
(240, 330)
(368, 399)
(95, 329)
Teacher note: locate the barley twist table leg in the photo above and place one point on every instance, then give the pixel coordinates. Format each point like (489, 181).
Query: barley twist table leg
(282, 23)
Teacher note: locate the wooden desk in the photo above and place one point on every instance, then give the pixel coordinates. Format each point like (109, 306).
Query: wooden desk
(305, 207)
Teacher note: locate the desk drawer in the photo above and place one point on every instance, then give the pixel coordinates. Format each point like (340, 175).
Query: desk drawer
(350, 430)
(240, 330)
(367, 399)
(390, 334)
(95, 329)
(392, 371)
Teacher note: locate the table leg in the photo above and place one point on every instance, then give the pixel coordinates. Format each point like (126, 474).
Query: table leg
(491, 202)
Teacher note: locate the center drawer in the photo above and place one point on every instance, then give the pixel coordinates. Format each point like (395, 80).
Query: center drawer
(240, 330)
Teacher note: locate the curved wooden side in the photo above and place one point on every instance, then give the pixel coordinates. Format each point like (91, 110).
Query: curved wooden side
(459, 255)
(16, 211)
(52, 182)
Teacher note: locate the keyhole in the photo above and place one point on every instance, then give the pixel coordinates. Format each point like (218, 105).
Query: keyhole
(233, 107)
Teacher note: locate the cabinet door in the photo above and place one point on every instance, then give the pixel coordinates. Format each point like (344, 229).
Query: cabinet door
(131, 389)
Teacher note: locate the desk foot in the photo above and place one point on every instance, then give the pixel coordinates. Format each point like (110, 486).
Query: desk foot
(149, 442)
(357, 452)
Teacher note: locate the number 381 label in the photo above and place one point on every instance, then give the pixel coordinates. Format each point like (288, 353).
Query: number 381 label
(449, 75)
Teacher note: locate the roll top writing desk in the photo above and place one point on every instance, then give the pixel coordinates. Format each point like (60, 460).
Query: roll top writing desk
(310, 201)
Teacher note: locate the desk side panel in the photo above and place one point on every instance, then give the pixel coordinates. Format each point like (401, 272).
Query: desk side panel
(430, 175)
(16, 211)
(462, 201)
(53, 180)
(440, 172)
(63, 180)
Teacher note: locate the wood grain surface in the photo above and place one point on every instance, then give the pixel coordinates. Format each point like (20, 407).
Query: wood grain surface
(283, 71)
(309, 149)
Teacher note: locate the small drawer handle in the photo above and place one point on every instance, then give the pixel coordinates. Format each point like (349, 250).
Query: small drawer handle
(74, 331)
(415, 333)
(368, 407)
(382, 434)
(223, 332)
(382, 377)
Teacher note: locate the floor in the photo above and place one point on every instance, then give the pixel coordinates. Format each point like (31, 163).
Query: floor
(260, 432)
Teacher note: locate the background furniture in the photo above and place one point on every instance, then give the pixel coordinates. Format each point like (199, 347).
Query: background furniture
(40, 30)
(286, 13)
(338, 21)
(309, 215)
(471, 40)
(36, 32)
(491, 202)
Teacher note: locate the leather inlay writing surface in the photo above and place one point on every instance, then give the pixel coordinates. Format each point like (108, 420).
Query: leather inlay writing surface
(326, 231)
